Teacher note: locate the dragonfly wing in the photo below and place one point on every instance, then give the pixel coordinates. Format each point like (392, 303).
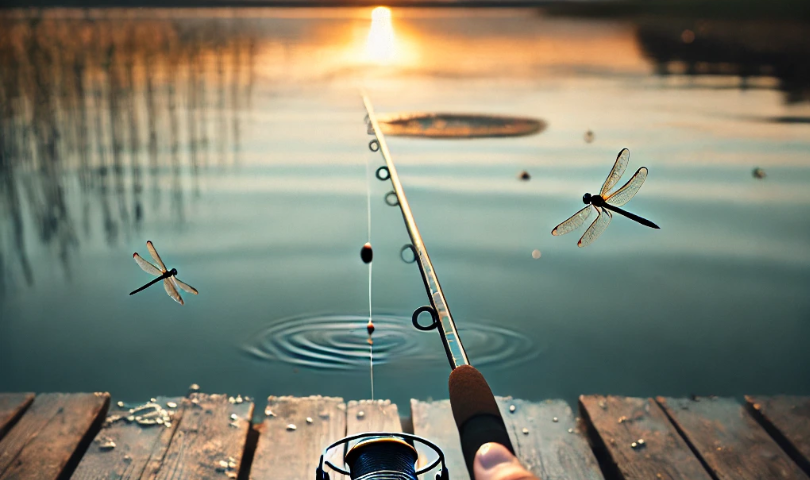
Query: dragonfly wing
(155, 255)
(146, 266)
(617, 171)
(572, 223)
(597, 227)
(169, 286)
(629, 190)
(184, 286)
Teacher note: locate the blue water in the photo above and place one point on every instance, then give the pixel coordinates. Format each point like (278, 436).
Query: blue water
(258, 198)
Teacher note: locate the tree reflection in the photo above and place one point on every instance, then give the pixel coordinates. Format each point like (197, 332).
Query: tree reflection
(83, 99)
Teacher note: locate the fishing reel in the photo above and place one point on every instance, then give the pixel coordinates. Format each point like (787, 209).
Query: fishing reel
(382, 456)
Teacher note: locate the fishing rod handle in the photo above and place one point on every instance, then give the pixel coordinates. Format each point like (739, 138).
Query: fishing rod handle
(476, 412)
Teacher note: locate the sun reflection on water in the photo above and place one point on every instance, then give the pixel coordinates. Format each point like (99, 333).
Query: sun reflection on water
(380, 47)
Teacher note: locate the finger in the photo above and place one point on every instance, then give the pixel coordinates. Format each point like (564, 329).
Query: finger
(494, 462)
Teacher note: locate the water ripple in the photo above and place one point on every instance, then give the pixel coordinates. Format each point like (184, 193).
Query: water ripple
(338, 342)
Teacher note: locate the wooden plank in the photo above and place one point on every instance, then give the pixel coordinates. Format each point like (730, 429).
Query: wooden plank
(787, 419)
(614, 423)
(434, 421)
(372, 416)
(552, 446)
(133, 446)
(209, 441)
(12, 406)
(284, 453)
(51, 435)
(729, 440)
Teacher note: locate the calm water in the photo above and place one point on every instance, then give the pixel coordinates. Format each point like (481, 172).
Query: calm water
(235, 141)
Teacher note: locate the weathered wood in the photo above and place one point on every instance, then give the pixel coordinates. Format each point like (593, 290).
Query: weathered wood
(12, 406)
(51, 435)
(552, 446)
(372, 416)
(135, 446)
(208, 443)
(284, 453)
(434, 421)
(614, 423)
(729, 440)
(787, 419)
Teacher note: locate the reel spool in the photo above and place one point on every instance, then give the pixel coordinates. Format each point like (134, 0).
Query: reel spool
(382, 456)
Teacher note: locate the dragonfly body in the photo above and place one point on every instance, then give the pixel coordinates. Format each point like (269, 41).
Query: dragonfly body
(598, 201)
(604, 203)
(169, 277)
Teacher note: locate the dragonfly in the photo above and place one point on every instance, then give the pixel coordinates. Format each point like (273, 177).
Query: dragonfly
(605, 203)
(169, 277)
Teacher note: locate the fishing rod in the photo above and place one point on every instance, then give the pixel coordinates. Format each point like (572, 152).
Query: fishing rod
(438, 309)
(474, 407)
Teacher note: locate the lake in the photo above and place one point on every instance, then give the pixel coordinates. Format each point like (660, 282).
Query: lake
(235, 141)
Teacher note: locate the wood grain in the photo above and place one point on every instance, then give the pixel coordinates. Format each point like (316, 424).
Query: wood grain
(136, 446)
(729, 440)
(211, 431)
(284, 453)
(787, 419)
(372, 416)
(51, 435)
(12, 406)
(551, 449)
(614, 423)
(434, 421)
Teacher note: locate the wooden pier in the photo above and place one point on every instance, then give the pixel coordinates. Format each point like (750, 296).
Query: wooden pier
(86, 436)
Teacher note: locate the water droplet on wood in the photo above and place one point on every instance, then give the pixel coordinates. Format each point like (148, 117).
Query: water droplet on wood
(291, 427)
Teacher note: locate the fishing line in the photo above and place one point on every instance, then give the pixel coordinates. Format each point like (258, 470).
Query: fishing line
(370, 325)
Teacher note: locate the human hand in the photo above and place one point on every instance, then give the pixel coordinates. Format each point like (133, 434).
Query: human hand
(494, 462)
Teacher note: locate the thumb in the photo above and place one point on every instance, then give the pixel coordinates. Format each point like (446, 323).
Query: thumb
(494, 462)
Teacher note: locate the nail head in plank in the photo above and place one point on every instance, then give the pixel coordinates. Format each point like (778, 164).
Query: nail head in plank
(135, 446)
(614, 423)
(12, 406)
(50, 434)
(553, 447)
(729, 440)
(284, 453)
(787, 419)
(211, 434)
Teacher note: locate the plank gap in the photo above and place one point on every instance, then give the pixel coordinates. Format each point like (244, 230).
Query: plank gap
(686, 439)
(16, 409)
(784, 443)
(73, 463)
(250, 451)
(608, 467)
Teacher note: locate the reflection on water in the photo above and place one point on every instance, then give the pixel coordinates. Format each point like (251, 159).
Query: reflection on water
(745, 53)
(235, 140)
(380, 43)
(120, 109)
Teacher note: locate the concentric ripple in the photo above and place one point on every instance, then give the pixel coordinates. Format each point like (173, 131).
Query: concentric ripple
(338, 342)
